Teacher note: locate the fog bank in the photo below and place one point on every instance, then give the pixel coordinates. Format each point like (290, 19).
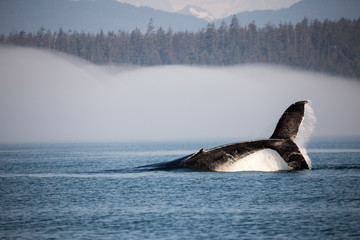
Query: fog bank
(53, 97)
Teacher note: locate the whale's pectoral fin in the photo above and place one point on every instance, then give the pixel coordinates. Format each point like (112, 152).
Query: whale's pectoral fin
(291, 154)
(289, 123)
(296, 161)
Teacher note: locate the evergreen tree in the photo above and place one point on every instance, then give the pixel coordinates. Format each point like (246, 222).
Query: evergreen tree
(327, 46)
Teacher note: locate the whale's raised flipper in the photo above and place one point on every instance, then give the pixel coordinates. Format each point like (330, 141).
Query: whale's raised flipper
(289, 123)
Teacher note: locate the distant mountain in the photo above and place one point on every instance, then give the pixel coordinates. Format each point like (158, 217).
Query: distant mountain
(197, 12)
(110, 15)
(312, 9)
(88, 16)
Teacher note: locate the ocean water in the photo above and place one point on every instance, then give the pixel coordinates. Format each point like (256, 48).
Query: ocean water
(88, 191)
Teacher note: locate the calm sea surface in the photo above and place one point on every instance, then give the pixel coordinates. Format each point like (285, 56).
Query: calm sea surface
(78, 191)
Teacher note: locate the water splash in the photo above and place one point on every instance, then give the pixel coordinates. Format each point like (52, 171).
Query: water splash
(307, 127)
(266, 160)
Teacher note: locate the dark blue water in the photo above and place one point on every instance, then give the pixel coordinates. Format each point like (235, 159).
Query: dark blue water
(78, 191)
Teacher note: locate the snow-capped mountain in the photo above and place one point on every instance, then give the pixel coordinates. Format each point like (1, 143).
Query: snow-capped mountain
(109, 15)
(197, 12)
(88, 16)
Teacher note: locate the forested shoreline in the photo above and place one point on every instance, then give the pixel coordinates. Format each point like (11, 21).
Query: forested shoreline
(329, 46)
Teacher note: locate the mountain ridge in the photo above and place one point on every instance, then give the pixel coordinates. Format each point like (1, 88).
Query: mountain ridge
(311, 9)
(109, 15)
(88, 16)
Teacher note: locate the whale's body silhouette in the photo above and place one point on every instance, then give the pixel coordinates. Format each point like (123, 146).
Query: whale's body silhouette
(281, 141)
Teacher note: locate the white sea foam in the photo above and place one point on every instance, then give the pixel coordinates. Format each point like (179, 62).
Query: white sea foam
(71, 175)
(266, 160)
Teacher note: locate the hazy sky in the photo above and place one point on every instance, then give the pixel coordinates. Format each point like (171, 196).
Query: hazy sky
(45, 96)
(219, 8)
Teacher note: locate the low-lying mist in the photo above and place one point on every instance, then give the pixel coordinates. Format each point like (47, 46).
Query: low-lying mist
(54, 97)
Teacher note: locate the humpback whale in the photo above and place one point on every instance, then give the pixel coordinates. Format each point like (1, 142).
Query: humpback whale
(282, 142)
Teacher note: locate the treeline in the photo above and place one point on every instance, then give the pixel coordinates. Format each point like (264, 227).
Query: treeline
(328, 46)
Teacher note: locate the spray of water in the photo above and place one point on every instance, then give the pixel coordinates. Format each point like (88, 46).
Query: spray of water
(307, 127)
(265, 160)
